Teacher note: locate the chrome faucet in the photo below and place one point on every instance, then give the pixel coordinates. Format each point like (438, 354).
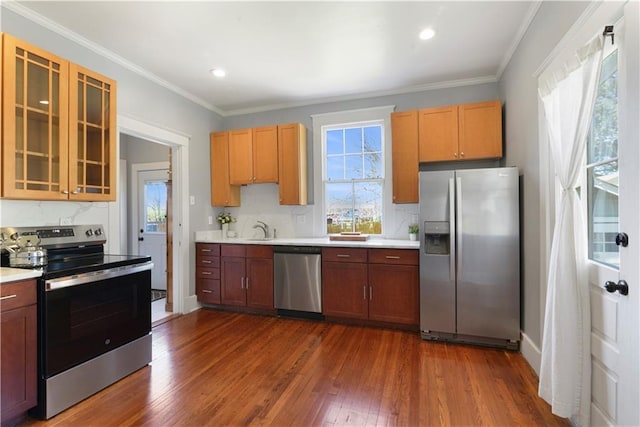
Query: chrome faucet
(264, 227)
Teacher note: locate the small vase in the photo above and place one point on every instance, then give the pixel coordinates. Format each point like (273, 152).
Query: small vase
(225, 229)
(413, 236)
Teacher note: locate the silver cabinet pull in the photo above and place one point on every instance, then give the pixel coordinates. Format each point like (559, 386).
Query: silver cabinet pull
(343, 256)
(242, 282)
(8, 297)
(205, 273)
(364, 292)
(392, 257)
(205, 250)
(206, 261)
(246, 283)
(370, 293)
(65, 191)
(206, 291)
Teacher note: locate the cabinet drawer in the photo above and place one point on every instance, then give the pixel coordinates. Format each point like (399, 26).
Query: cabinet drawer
(207, 261)
(207, 249)
(17, 294)
(208, 290)
(393, 256)
(233, 250)
(208, 273)
(259, 251)
(344, 254)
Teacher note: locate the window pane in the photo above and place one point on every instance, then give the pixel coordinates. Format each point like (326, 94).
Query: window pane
(353, 167)
(603, 137)
(373, 165)
(353, 140)
(334, 142)
(335, 168)
(603, 213)
(155, 201)
(339, 205)
(373, 138)
(368, 200)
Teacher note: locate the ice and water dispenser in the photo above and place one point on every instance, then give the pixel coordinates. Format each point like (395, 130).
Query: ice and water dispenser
(436, 237)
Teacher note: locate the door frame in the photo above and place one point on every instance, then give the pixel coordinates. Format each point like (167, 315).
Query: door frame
(179, 143)
(135, 184)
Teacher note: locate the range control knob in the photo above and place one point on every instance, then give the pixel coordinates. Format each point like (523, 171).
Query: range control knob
(98, 231)
(89, 232)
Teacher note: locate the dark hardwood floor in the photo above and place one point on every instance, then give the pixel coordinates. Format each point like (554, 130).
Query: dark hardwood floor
(219, 368)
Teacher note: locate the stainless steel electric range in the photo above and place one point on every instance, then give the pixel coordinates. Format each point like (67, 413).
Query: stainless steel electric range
(94, 313)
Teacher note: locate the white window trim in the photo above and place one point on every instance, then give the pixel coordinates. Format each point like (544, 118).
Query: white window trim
(351, 116)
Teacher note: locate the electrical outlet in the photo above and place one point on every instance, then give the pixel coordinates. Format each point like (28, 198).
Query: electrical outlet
(192, 200)
(66, 221)
(210, 219)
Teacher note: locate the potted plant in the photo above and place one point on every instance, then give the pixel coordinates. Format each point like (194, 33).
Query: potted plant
(413, 232)
(224, 219)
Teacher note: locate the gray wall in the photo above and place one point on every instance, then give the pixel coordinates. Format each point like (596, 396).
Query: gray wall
(518, 89)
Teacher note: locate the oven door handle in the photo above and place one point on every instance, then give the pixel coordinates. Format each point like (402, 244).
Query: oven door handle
(95, 276)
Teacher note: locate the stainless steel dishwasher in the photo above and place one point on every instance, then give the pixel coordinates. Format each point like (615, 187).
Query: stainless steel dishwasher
(297, 281)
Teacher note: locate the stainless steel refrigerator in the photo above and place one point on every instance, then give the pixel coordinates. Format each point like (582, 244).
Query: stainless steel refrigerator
(470, 256)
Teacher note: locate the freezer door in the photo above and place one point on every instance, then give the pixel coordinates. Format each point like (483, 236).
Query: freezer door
(437, 253)
(488, 266)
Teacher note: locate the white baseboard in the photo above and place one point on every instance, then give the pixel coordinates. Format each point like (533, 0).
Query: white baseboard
(190, 304)
(531, 353)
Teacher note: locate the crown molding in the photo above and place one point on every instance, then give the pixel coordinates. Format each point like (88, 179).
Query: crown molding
(524, 26)
(400, 91)
(104, 52)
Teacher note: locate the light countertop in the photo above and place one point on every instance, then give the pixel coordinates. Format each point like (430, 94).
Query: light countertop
(213, 237)
(9, 274)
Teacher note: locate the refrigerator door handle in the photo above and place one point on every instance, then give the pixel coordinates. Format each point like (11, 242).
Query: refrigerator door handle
(459, 222)
(452, 231)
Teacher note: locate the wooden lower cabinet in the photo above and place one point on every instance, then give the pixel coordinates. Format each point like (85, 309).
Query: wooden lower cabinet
(247, 275)
(380, 285)
(208, 272)
(18, 349)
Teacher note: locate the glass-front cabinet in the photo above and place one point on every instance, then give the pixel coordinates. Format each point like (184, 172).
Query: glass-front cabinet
(58, 133)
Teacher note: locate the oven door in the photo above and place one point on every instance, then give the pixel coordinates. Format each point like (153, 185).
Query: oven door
(90, 314)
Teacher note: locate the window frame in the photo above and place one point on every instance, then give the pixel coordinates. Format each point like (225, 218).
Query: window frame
(353, 181)
(382, 113)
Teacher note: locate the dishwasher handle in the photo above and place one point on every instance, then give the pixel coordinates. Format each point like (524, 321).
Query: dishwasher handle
(285, 249)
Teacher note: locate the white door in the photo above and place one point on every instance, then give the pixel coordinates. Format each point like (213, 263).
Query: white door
(612, 180)
(152, 222)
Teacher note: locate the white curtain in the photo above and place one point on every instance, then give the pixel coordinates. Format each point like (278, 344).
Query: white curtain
(568, 95)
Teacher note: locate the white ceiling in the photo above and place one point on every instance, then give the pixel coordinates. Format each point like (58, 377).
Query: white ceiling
(280, 54)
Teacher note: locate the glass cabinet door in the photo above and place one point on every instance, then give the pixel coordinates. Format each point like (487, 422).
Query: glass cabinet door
(92, 135)
(35, 126)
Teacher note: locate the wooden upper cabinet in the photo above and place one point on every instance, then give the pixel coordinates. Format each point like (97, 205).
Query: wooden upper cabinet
(292, 158)
(265, 154)
(460, 132)
(34, 122)
(222, 192)
(253, 155)
(92, 135)
(480, 130)
(438, 134)
(59, 127)
(404, 155)
(240, 156)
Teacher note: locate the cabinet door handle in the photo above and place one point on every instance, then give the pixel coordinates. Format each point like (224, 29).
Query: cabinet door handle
(392, 257)
(76, 191)
(462, 154)
(242, 282)
(205, 250)
(364, 292)
(205, 273)
(206, 291)
(8, 297)
(343, 256)
(370, 293)
(246, 283)
(65, 191)
(205, 261)
(455, 155)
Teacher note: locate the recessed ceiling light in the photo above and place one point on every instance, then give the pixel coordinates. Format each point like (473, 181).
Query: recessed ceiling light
(427, 34)
(218, 72)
